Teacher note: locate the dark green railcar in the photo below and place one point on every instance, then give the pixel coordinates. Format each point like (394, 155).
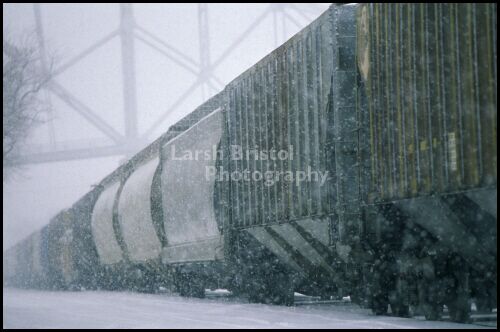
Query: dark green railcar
(427, 101)
(291, 145)
(281, 105)
(61, 254)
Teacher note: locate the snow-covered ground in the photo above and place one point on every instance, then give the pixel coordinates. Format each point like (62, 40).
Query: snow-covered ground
(43, 309)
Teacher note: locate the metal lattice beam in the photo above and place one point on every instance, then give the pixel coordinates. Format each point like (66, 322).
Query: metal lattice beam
(204, 42)
(44, 62)
(216, 63)
(86, 52)
(73, 154)
(167, 55)
(85, 111)
(241, 38)
(128, 68)
(174, 106)
(171, 48)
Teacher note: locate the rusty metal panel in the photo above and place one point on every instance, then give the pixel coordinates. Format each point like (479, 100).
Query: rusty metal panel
(429, 72)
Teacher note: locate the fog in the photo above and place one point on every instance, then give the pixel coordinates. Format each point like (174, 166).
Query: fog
(38, 191)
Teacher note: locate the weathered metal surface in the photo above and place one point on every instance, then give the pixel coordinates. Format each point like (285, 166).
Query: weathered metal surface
(430, 77)
(281, 105)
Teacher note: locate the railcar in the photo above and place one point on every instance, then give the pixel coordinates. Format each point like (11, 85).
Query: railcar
(428, 106)
(394, 103)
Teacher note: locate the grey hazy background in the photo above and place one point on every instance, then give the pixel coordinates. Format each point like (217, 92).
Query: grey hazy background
(41, 190)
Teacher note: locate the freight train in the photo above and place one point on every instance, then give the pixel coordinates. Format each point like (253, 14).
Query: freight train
(395, 103)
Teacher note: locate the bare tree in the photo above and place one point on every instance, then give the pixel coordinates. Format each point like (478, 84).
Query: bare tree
(23, 79)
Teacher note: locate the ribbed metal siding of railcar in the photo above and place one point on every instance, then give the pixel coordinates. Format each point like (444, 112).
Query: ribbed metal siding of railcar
(25, 260)
(430, 77)
(15, 264)
(31, 259)
(60, 252)
(86, 259)
(10, 267)
(38, 270)
(282, 102)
